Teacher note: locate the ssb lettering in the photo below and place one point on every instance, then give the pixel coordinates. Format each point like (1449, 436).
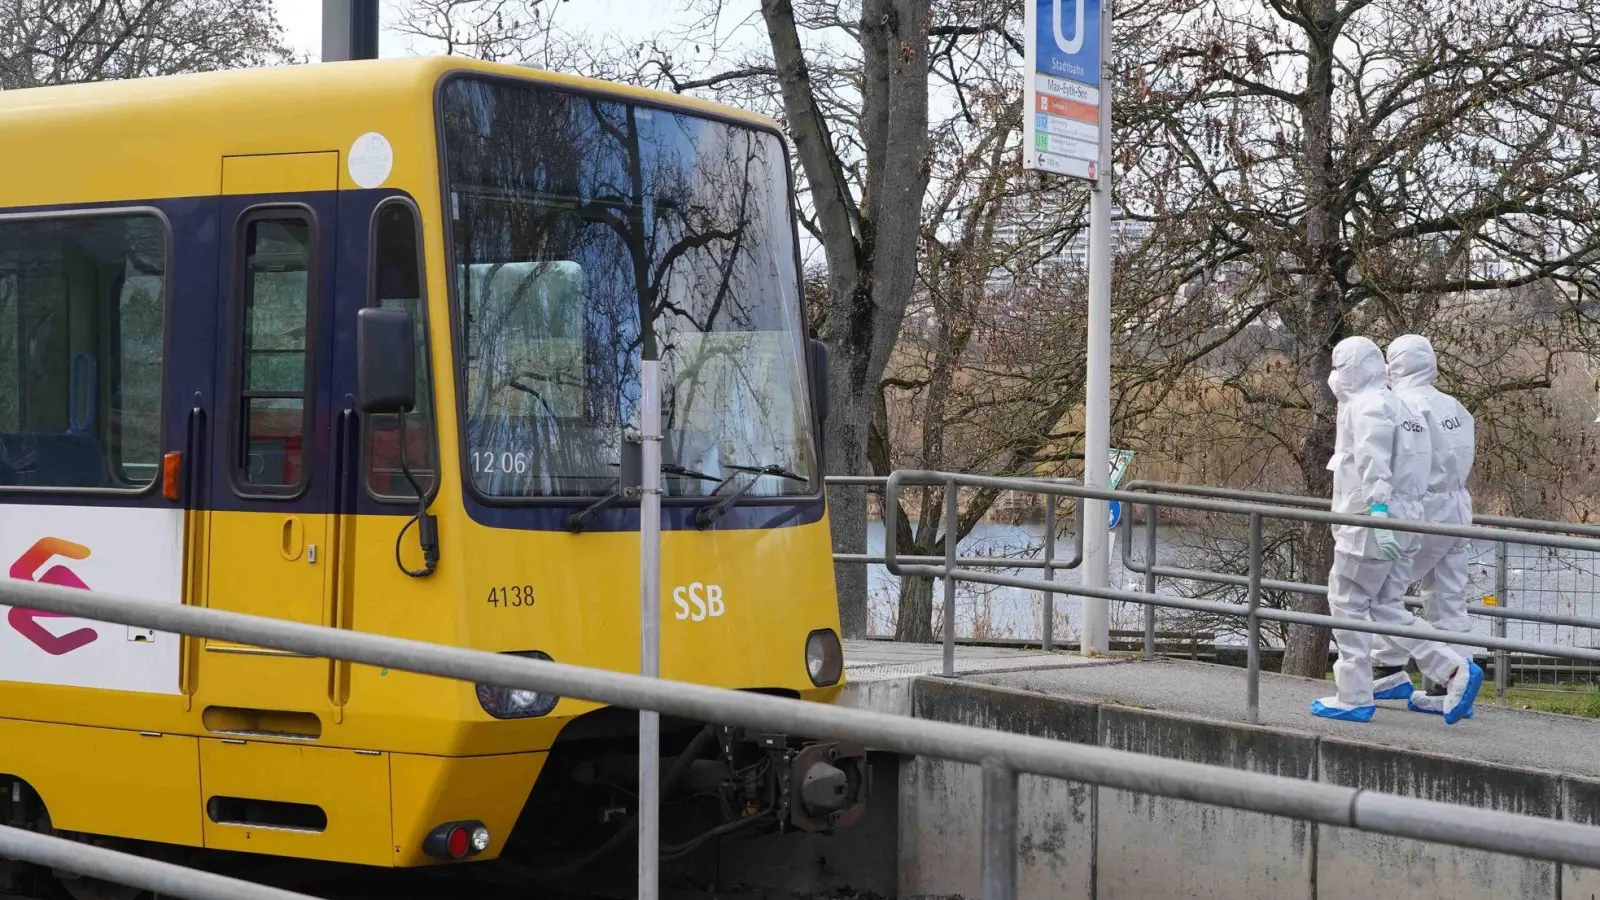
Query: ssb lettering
(698, 602)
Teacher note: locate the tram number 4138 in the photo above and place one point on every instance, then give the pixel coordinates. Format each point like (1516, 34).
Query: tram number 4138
(511, 596)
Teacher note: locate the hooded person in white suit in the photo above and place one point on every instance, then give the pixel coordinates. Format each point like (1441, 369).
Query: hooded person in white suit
(1440, 566)
(1381, 464)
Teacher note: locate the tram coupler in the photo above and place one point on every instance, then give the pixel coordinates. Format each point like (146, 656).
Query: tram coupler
(816, 786)
(828, 785)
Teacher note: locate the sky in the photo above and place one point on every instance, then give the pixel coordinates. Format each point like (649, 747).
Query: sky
(627, 19)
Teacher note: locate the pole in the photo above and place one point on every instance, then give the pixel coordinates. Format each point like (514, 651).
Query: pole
(650, 625)
(1097, 397)
(1049, 642)
(1253, 652)
(1502, 587)
(951, 526)
(1149, 579)
(349, 30)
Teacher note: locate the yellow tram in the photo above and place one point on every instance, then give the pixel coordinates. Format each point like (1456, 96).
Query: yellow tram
(195, 273)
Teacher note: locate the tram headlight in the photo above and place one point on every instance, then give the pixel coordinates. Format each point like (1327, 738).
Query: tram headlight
(517, 703)
(824, 657)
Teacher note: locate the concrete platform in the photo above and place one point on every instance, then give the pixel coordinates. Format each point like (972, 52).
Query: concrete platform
(878, 674)
(880, 660)
(1566, 745)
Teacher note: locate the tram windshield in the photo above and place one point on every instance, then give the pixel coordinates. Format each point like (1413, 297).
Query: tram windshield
(587, 232)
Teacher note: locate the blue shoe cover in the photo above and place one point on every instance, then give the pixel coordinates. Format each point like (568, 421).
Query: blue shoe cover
(1359, 714)
(1411, 704)
(1464, 708)
(1400, 690)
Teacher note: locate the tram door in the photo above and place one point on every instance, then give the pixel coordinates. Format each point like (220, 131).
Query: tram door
(271, 528)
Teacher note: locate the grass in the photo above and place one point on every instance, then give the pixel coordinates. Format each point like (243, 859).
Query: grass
(1584, 703)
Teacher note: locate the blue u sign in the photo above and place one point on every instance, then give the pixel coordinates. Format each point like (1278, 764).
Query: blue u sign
(1069, 39)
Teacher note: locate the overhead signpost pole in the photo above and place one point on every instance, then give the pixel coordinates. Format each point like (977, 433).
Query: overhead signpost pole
(1067, 131)
(650, 620)
(349, 30)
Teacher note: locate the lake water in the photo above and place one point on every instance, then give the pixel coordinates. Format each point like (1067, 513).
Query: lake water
(1556, 581)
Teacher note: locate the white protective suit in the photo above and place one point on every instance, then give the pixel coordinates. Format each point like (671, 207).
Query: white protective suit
(1382, 457)
(1441, 562)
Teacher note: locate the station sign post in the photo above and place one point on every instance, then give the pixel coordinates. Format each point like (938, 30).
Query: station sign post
(1061, 127)
(1067, 132)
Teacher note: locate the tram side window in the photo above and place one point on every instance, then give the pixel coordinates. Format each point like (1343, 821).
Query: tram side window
(397, 283)
(82, 307)
(276, 315)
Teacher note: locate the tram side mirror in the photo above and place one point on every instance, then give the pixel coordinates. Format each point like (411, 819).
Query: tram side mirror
(818, 351)
(386, 361)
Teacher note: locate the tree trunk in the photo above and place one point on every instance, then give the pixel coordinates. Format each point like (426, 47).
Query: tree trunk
(872, 257)
(1306, 649)
(1322, 324)
(915, 622)
(846, 442)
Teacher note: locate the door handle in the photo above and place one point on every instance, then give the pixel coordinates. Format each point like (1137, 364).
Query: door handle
(294, 538)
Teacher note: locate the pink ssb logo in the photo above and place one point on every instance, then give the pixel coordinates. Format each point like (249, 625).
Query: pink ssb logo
(25, 621)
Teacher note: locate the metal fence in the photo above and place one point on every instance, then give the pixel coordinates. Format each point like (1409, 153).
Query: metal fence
(1041, 558)
(1538, 593)
(1002, 756)
(1504, 575)
(1251, 611)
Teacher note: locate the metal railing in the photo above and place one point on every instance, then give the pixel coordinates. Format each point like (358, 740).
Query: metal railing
(1499, 613)
(1002, 756)
(1047, 561)
(1251, 611)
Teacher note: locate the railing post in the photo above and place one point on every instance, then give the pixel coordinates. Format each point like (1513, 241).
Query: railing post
(1049, 637)
(999, 831)
(1149, 578)
(951, 508)
(1502, 660)
(1253, 651)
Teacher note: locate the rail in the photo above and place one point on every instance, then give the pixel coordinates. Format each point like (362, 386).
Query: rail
(1251, 610)
(1499, 613)
(1001, 756)
(952, 499)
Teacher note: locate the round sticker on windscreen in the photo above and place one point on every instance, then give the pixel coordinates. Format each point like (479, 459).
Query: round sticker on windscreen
(371, 160)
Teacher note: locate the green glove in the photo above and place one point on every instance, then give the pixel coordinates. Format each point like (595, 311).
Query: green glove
(1388, 545)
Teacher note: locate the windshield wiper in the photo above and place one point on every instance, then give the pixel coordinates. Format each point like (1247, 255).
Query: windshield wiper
(675, 469)
(706, 515)
(580, 519)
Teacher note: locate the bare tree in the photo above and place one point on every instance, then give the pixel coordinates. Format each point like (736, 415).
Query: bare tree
(494, 30)
(46, 42)
(1329, 167)
(868, 228)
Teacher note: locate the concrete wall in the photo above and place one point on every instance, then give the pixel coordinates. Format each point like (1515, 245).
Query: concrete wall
(1580, 802)
(1156, 846)
(1055, 837)
(1351, 861)
(1107, 844)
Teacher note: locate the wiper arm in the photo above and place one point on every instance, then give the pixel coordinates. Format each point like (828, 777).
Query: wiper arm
(580, 519)
(778, 471)
(706, 515)
(675, 469)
